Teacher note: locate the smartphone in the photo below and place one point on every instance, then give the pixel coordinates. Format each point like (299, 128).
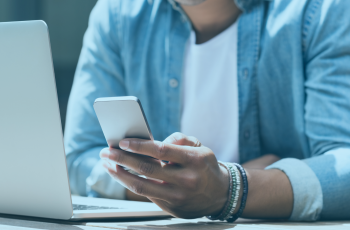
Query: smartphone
(120, 118)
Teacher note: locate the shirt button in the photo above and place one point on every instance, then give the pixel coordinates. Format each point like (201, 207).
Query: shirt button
(173, 83)
(247, 134)
(245, 73)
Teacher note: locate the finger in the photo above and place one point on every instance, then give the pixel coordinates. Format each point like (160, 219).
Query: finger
(158, 150)
(141, 186)
(143, 165)
(181, 139)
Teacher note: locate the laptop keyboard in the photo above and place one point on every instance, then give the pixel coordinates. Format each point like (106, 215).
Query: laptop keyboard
(90, 207)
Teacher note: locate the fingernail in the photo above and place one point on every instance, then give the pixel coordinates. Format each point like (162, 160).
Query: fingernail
(124, 144)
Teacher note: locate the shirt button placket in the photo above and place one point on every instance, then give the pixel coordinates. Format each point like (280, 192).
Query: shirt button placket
(245, 73)
(247, 134)
(173, 83)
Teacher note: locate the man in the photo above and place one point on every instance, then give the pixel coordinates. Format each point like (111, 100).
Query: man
(262, 83)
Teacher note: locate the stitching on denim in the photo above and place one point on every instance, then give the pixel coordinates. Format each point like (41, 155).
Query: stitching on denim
(254, 74)
(239, 80)
(116, 20)
(309, 16)
(119, 43)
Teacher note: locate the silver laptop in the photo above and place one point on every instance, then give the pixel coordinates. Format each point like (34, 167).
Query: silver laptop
(33, 170)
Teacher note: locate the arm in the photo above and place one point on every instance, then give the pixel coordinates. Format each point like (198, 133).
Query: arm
(194, 184)
(261, 162)
(270, 194)
(267, 188)
(99, 74)
(320, 183)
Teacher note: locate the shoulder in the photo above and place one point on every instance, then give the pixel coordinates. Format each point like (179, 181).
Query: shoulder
(114, 18)
(127, 8)
(125, 15)
(121, 7)
(332, 13)
(114, 11)
(311, 18)
(309, 11)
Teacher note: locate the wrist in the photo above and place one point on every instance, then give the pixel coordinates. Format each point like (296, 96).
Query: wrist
(223, 195)
(237, 193)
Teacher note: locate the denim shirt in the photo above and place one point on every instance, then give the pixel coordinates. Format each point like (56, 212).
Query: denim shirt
(293, 80)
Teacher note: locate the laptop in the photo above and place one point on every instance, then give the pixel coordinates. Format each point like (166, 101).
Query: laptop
(33, 171)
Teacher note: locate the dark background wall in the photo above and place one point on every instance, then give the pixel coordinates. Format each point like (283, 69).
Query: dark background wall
(67, 21)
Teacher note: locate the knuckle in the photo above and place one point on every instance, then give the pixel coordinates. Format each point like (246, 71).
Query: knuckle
(195, 141)
(138, 187)
(211, 158)
(161, 150)
(182, 138)
(146, 168)
(137, 146)
(118, 157)
(179, 138)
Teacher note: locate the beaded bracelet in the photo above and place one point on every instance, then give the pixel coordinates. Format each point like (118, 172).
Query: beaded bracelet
(244, 196)
(227, 205)
(235, 195)
(232, 194)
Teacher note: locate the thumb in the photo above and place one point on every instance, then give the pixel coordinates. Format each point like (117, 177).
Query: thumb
(181, 139)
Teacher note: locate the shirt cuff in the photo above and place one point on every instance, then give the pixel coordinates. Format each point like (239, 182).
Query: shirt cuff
(307, 191)
(103, 184)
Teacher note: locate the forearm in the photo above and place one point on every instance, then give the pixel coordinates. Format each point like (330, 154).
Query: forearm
(261, 162)
(270, 194)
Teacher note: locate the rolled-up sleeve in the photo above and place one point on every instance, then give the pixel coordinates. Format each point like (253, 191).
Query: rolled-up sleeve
(307, 191)
(320, 185)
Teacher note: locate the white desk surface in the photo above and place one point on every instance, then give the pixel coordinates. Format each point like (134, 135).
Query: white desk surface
(27, 223)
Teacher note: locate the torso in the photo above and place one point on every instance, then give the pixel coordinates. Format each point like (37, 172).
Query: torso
(210, 97)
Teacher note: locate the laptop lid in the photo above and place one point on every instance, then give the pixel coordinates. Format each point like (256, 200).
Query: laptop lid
(33, 171)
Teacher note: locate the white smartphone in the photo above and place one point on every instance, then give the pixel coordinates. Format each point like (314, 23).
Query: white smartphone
(121, 117)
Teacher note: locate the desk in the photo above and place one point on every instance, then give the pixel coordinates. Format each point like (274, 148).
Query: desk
(26, 223)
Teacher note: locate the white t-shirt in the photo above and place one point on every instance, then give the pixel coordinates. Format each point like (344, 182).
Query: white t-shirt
(210, 95)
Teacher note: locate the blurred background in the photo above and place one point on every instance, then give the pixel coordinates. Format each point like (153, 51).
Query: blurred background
(67, 21)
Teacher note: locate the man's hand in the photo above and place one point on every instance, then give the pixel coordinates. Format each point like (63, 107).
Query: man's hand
(193, 184)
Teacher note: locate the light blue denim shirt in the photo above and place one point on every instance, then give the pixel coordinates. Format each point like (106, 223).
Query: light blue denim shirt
(293, 81)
